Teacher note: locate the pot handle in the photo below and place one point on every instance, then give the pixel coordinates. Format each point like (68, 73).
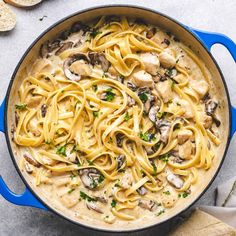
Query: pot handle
(24, 199)
(209, 39)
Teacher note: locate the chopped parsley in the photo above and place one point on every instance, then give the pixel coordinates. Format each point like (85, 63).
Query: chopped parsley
(105, 75)
(95, 87)
(170, 72)
(143, 97)
(146, 136)
(84, 196)
(161, 114)
(72, 176)
(90, 162)
(154, 168)
(160, 212)
(157, 146)
(113, 203)
(109, 96)
(94, 32)
(71, 190)
(167, 192)
(117, 185)
(183, 195)
(127, 116)
(20, 106)
(165, 157)
(95, 113)
(101, 179)
(61, 150)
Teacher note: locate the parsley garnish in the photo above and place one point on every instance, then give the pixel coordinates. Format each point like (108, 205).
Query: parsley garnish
(127, 116)
(95, 87)
(154, 168)
(169, 72)
(143, 97)
(146, 136)
(71, 190)
(100, 179)
(160, 212)
(167, 192)
(113, 203)
(183, 195)
(20, 106)
(94, 33)
(84, 196)
(90, 162)
(109, 95)
(61, 150)
(165, 157)
(95, 113)
(161, 114)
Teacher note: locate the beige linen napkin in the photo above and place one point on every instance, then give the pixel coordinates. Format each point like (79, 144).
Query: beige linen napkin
(225, 209)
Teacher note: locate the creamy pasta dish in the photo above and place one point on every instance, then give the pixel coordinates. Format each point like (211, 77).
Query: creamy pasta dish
(115, 121)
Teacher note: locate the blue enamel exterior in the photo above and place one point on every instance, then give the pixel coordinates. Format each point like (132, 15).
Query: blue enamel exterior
(24, 199)
(28, 199)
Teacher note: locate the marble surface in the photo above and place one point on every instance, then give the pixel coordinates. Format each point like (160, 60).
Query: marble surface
(211, 15)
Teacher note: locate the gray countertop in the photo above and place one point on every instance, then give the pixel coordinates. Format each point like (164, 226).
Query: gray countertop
(211, 15)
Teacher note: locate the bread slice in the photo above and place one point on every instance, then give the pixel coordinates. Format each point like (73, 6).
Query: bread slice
(201, 223)
(7, 17)
(23, 3)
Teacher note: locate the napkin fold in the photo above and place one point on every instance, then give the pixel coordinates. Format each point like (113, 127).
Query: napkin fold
(225, 209)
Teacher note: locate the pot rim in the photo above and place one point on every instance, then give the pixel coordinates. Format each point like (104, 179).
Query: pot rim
(7, 135)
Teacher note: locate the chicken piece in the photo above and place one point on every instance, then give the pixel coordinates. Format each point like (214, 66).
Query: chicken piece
(164, 88)
(69, 200)
(81, 68)
(200, 86)
(184, 135)
(126, 181)
(142, 79)
(180, 78)
(147, 204)
(29, 168)
(168, 200)
(188, 112)
(161, 38)
(206, 121)
(33, 102)
(151, 62)
(167, 59)
(185, 150)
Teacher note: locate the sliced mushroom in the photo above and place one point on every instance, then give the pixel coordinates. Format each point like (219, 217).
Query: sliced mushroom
(120, 160)
(31, 160)
(93, 206)
(131, 101)
(175, 180)
(164, 127)
(43, 51)
(142, 191)
(43, 110)
(90, 177)
(150, 98)
(119, 140)
(147, 204)
(101, 199)
(210, 106)
(150, 33)
(152, 113)
(29, 168)
(74, 72)
(131, 86)
(17, 117)
(99, 59)
(64, 47)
